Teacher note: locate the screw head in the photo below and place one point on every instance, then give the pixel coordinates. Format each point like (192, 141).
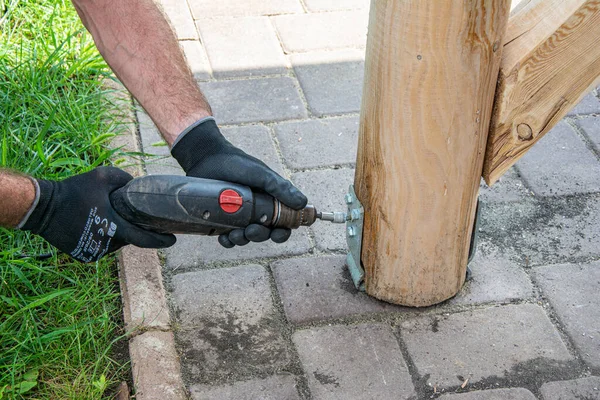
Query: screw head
(354, 215)
(348, 198)
(351, 231)
(263, 219)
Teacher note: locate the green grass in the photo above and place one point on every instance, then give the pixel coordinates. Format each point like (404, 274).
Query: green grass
(59, 319)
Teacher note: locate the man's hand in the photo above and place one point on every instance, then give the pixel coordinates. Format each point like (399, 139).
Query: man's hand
(76, 216)
(203, 152)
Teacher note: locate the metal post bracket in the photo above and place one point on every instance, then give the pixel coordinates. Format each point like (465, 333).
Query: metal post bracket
(354, 231)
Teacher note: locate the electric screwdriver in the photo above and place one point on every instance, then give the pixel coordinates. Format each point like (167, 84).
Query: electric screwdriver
(181, 204)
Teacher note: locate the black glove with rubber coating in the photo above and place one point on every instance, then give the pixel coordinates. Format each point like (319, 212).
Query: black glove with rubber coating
(75, 216)
(203, 152)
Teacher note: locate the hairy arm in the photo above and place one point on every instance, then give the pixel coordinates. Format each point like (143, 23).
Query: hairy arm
(138, 43)
(17, 193)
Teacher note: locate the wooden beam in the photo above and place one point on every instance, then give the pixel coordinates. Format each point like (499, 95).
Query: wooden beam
(430, 74)
(551, 59)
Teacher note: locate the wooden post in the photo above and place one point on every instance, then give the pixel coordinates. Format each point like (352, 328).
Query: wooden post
(430, 76)
(550, 60)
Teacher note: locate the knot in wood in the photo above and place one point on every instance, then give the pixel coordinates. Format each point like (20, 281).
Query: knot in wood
(496, 46)
(524, 132)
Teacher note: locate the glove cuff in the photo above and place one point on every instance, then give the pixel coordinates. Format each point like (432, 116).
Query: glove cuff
(40, 211)
(36, 200)
(198, 141)
(189, 128)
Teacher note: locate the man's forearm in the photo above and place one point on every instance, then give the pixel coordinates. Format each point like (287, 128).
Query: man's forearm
(17, 194)
(138, 43)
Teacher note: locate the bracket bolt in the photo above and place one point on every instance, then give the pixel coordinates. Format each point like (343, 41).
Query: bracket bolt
(351, 231)
(355, 214)
(348, 198)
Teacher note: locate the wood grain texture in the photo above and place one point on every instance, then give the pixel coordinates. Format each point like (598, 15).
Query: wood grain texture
(430, 75)
(551, 59)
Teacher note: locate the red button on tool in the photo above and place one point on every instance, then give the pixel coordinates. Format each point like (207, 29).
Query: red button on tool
(230, 201)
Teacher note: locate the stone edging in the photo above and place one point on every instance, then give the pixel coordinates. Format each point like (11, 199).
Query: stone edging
(154, 361)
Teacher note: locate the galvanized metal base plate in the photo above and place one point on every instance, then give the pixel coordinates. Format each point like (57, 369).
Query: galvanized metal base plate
(354, 230)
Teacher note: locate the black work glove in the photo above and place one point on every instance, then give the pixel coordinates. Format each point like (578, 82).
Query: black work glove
(76, 216)
(203, 152)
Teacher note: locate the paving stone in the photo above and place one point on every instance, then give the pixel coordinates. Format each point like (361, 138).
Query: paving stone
(509, 187)
(591, 127)
(573, 292)
(353, 362)
(588, 105)
(582, 389)
(163, 166)
(574, 169)
(278, 387)
(142, 291)
(226, 40)
(254, 100)
(233, 8)
(196, 251)
(332, 81)
(159, 160)
(229, 326)
(181, 18)
(320, 288)
(497, 341)
(256, 141)
(152, 142)
(155, 366)
(333, 5)
(196, 59)
(326, 189)
(332, 30)
(496, 277)
(495, 394)
(549, 231)
(318, 143)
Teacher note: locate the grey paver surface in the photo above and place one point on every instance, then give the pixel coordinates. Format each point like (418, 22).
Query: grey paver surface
(329, 5)
(228, 323)
(254, 100)
(196, 58)
(266, 321)
(331, 30)
(316, 289)
(196, 251)
(590, 104)
(546, 231)
(510, 187)
(495, 394)
(373, 369)
(496, 341)
(573, 292)
(319, 143)
(271, 388)
(578, 389)
(331, 80)
(591, 128)
(496, 277)
(228, 8)
(252, 40)
(560, 164)
(180, 17)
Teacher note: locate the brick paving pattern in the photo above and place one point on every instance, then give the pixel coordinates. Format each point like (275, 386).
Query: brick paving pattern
(284, 78)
